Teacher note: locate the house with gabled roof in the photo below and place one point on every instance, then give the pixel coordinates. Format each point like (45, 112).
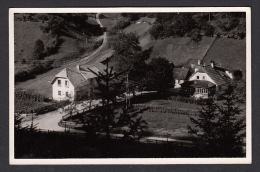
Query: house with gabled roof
(73, 82)
(206, 80)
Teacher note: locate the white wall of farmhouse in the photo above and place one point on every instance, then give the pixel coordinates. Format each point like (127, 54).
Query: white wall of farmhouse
(201, 76)
(62, 88)
(177, 83)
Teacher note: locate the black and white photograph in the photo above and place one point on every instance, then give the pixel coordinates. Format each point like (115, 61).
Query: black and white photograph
(130, 85)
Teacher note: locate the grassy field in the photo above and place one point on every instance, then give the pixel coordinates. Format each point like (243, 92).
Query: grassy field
(25, 36)
(177, 50)
(231, 53)
(162, 123)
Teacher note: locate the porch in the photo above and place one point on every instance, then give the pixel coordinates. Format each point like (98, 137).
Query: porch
(199, 89)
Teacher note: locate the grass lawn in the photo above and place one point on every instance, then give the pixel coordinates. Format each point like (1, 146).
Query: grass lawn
(162, 123)
(159, 124)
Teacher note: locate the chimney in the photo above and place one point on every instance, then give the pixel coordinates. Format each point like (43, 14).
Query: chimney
(229, 74)
(78, 68)
(212, 63)
(198, 62)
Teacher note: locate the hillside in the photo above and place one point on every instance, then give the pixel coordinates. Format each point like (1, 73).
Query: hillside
(25, 36)
(230, 53)
(64, 37)
(179, 50)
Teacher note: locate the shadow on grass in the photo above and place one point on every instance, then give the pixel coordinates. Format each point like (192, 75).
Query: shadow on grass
(54, 145)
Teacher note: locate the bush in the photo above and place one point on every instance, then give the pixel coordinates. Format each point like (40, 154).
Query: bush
(122, 24)
(97, 44)
(34, 69)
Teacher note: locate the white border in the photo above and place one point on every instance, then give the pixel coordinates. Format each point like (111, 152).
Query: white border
(247, 160)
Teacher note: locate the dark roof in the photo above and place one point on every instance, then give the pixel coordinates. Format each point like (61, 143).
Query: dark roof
(76, 78)
(180, 73)
(218, 75)
(73, 75)
(198, 83)
(188, 63)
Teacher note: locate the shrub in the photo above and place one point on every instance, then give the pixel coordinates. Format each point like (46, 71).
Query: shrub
(34, 69)
(122, 24)
(97, 44)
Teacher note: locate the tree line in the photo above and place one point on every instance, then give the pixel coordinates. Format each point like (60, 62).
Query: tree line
(194, 25)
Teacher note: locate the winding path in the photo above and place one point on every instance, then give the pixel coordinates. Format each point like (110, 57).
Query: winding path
(50, 120)
(41, 84)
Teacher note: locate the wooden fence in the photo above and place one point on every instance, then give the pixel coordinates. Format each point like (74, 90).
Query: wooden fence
(163, 109)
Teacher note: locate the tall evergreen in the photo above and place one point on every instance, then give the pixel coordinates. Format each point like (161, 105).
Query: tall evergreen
(221, 127)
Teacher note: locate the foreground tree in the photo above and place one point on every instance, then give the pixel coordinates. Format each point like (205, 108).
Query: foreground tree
(220, 127)
(231, 125)
(109, 86)
(206, 127)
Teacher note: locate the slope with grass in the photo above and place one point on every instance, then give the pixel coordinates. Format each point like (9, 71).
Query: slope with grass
(230, 53)
(178, 50)
(76, 54)
(25, 36)
(66, 44)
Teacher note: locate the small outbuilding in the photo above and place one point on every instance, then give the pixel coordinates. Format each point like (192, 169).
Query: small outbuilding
(180, 75)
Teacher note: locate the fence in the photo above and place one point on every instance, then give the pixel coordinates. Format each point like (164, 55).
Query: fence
(163, 109)
(77, 112)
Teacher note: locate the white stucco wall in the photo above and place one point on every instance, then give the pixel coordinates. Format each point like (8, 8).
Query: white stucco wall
(177, 83)
(207, 78)
(63, 88)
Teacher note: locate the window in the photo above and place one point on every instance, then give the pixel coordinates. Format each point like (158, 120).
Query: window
(67, 94)
(203, 77)
(198, 77)
(59, 83)
(59, 93)
(66, 83)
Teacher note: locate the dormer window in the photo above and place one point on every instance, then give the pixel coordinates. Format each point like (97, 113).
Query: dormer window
(66, 83)
(198, 77)
(59, 83)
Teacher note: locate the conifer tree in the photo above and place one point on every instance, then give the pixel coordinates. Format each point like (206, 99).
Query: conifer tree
(206, 127)
(230, 125)
(221, 126)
